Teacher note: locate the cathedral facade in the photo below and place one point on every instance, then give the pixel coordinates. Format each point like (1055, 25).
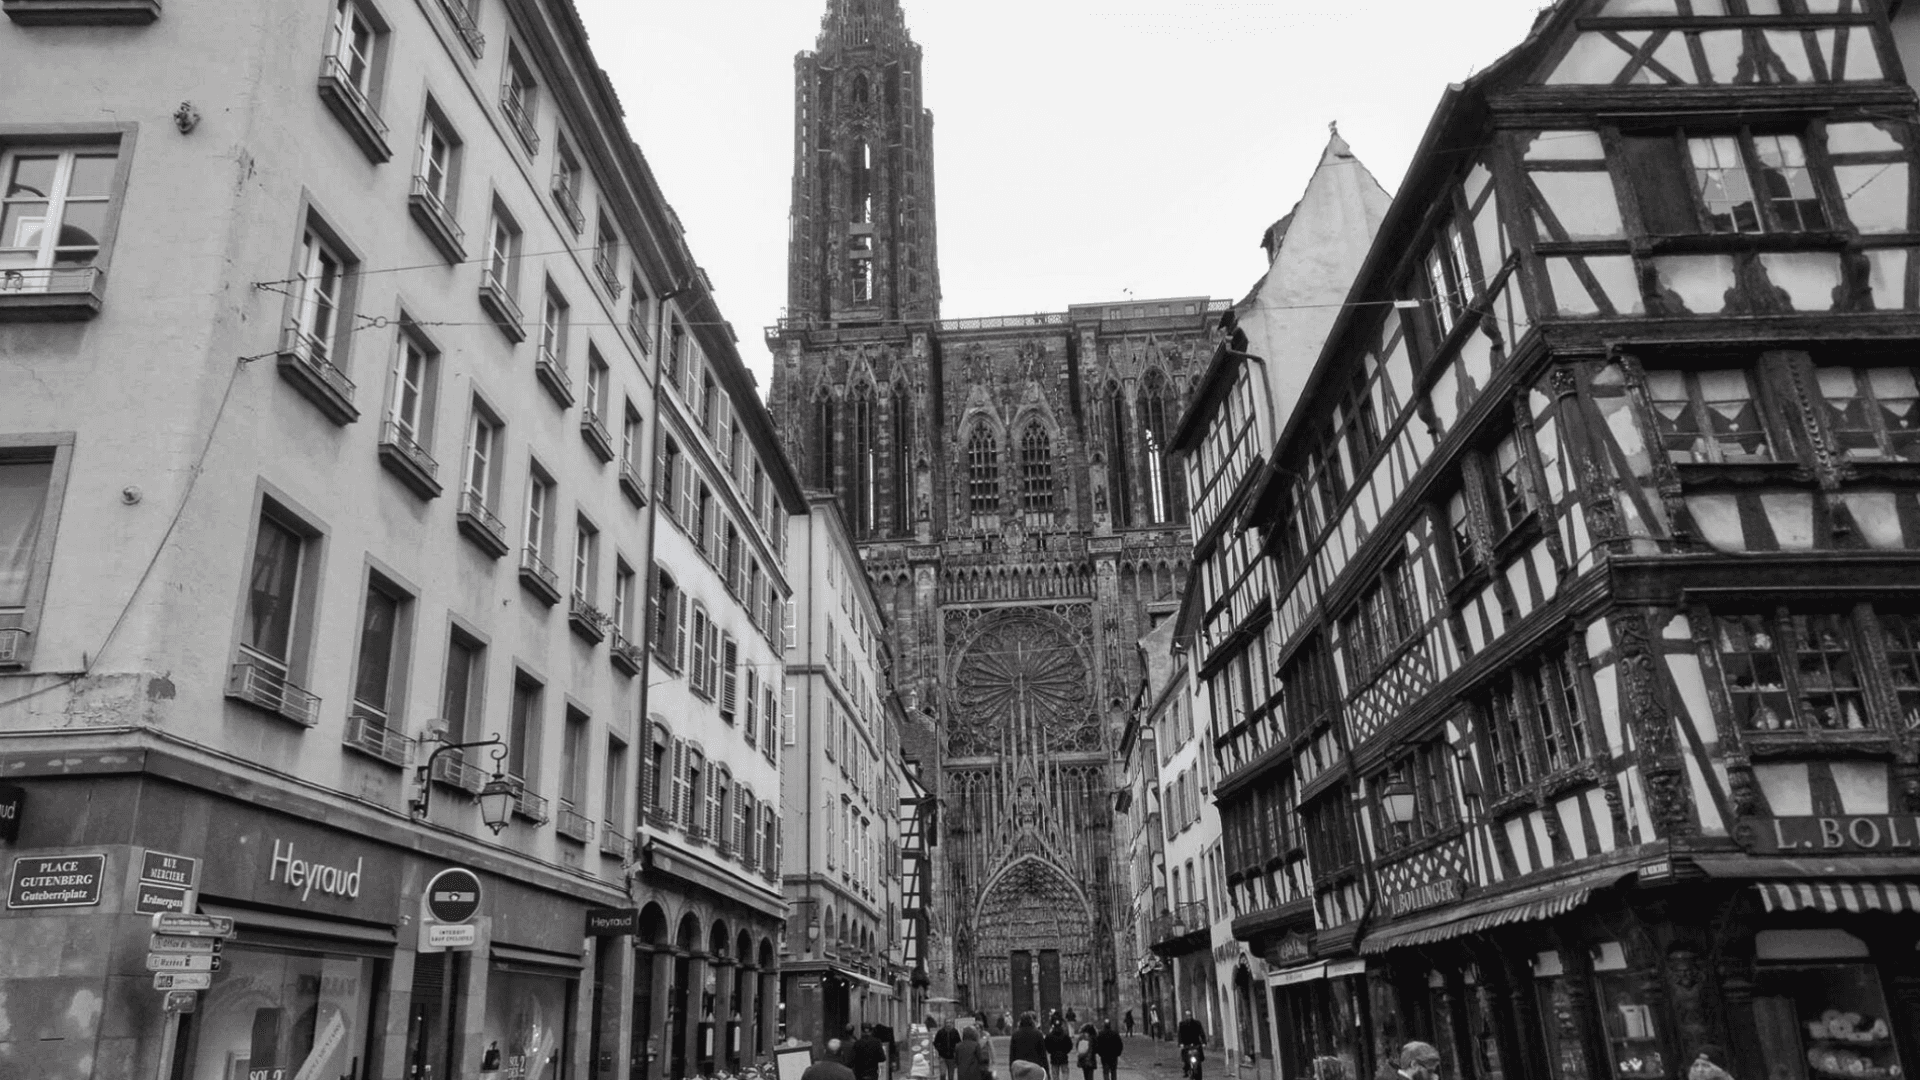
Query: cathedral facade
(1004, 479)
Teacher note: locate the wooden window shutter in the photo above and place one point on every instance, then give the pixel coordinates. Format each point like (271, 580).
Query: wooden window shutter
(714, 811)
(729, 675)
(700, 650)
(680, 631)
(661, 478)
(787, 717)
(682, 783)
(749, 703)
(737, 828)
(657, 601)
(647, 794)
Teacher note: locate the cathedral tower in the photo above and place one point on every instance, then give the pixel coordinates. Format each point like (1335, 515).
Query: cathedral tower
(861, 245)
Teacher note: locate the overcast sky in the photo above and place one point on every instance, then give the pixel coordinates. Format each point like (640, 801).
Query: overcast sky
(1084, 150)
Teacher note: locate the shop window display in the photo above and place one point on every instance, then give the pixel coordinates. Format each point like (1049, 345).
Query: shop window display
(274, 1015)
(1820, 1009)
(1559, 1023)
(1633, 1037)
(526, 1027)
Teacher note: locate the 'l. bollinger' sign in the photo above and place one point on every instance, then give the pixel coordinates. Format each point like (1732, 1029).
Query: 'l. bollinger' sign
(1831, 834)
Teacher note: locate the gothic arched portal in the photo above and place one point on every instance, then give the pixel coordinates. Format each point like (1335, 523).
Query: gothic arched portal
(1033, 916)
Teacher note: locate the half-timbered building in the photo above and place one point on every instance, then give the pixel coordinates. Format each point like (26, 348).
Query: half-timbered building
(1596, 631)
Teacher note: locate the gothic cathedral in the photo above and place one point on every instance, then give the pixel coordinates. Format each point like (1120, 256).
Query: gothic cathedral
(1005, 479)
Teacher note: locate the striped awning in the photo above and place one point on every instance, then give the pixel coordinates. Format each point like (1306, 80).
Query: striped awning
(1836, 896)
(1530, 904)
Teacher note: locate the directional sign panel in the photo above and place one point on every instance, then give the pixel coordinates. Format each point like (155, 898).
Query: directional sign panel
(175, 943)
(180, 922)
(179, 962)
(182, 980)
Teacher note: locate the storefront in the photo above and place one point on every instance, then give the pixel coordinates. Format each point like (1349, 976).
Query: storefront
(1322, 1013)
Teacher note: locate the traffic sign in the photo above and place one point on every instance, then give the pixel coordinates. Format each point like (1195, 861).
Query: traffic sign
(178, 962)
(453, 896)
(452, 936)
(180, 922)
(182, 980)
(173, 943)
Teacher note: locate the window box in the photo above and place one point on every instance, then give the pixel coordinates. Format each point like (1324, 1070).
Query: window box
(521, 123)
(369, 734)
(568, 202)
(81, 12)
(614, 843)
(697, 836)
(538, 578)
(605, 265)
(433, 217)
(630, 485)
(659, 817)
(624, 654)
(599, 439)
(60, 294)
(264, 687)
(497, 298)
(572, 824)
(554, 377)
(452, 770)
(588, 622)
(409, 461)
(478, 524)
(13, 648)
(353, 110)
(530, 806)
(461, 16)
(304, 363)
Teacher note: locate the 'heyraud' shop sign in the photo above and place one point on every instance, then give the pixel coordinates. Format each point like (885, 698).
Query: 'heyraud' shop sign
(309, 877)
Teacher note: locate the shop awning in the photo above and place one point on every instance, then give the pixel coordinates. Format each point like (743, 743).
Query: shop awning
(1530, 904)
(1837, 896)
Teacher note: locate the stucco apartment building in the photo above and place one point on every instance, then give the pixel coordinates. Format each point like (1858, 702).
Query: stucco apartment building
(334, 435)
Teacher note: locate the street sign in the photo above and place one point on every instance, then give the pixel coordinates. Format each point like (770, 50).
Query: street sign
(453, 896)
(164, 869)
(454, 936)
(172, 943)
(180, 922)
(151, 899)
(181, 1001)
(182, 962)
(182, 980)
(56, 881)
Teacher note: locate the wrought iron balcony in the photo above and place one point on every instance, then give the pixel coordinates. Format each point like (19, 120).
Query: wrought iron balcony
(367, 732)
(430, 211)
(570, 823)
(306, 361)
(529, 805)
(1182, 930)
(614, 843)
(461, 14)
(537, 577)
(607, 265)
(478, 524)
(553, 376)
(496, 296)
(350, 105)
(515, 110)
(586, 621)
(598, 438)
(265, 686)
(405, 458)
(624, 654)
(630, 485)
(637, 325)
(568, 202)
(51, 294)
(452, 770)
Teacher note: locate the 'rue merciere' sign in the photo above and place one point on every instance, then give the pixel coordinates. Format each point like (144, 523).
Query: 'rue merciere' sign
(1831, 834)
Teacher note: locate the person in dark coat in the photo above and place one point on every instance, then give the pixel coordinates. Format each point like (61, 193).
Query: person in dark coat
(1129, 1021)
(868, 1054)
(1027, 1044)
(884, 1032)
(829, 1066)
(1083, 1055)
(1107, 1046)
(973, 1057)
(945, 1042)
(1059, 1046)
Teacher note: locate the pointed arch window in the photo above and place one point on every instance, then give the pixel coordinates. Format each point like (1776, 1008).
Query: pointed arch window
(902, 460)
(1036, 474)
(1119, 458)
(862, 469)
(983, 477)
(823, 442)
(1162, 484)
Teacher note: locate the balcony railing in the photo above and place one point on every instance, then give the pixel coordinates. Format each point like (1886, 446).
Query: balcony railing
(630, 485)
(538, 577)
(571, 823)
(614, 843)
(367, 732)
(496, 296)
(351, 106)
(553, 375)
(586, 621)
(430, 211)
(598, 438)
(406, 458)
(257, 683)
(637, 326)
(607, 265)
(57, 293)
(478, 524)
(1185, 919)
(529, 805)
(461, 14)
(306, 361)
(515, 111)
(568, 202)
(452, 770)
(624, 654)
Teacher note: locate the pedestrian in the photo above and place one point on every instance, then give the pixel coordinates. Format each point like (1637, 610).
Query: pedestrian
(1129, 1023)
(1107, 1047)
(1418, 1061)
(973, 1058)
(945, 1042)
(1027, 1044)
(1083, 1052)
(884, 1033)
(829, 1066)
(1059, 1045)
(868, 1054)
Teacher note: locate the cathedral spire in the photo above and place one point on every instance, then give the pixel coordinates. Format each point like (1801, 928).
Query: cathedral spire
(852, 24)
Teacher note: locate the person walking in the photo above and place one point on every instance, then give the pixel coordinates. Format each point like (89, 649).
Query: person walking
(1083, 1052)
(973, 1057)
(829, 1066)
(867, 1055)
(1027, 1044)
(1107, 1047)
(1418, 1061)
(1129, 1023)
(1059, 1045)
(945, 1042)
